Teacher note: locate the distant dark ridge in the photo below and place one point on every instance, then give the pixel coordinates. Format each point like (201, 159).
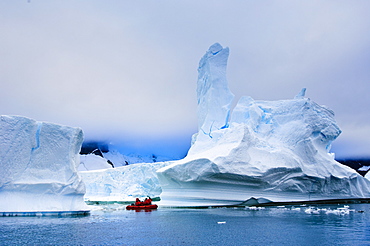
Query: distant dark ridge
(97, 148)
(296, 203)
(356, 164)
(93, 147)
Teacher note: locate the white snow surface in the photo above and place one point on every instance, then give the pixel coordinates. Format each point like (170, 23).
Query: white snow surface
(123, 183)
(267, 151)
(38, 162)
(92, 162)
(367, 175)
(364, 168)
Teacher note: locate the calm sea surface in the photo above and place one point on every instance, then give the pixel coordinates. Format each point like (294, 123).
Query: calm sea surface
(113, 225)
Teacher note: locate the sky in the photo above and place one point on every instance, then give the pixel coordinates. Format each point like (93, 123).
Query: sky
(126, 71)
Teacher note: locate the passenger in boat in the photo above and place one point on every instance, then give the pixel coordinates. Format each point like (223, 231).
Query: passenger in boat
(138, 202)
(147, 201)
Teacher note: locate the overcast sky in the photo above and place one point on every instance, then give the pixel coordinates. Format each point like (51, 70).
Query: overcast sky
(126, 71)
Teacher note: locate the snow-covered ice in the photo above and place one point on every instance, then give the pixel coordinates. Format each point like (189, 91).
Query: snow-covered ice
(364, 168)
(214, 96)
(123, 183)
(266, 151)
(93, 162)
(38, 162)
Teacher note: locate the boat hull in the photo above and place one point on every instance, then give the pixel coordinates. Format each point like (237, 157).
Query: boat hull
(133, 207)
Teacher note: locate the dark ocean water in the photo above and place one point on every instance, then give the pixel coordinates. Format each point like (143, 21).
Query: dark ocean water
(113, 225)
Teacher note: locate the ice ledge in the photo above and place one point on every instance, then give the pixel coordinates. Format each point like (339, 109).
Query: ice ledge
(45, 213)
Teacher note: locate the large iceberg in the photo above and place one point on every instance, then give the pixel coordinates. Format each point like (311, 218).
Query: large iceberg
(38, 162)
(267, 151)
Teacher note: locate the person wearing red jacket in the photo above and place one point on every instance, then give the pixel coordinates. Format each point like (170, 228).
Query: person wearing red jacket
(138, 202)
(147, 201)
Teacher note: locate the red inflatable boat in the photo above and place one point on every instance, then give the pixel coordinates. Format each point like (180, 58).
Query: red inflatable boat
(146, 204)
(151, 206)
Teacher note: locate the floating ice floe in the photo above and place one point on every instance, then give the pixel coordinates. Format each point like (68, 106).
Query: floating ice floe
(254, 208)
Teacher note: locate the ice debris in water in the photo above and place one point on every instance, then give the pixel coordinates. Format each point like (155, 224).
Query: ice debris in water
(338, 211)
(254, 208)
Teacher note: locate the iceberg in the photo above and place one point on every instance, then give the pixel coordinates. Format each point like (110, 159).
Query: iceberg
(123, 184)
(39, 163)
(265, 151)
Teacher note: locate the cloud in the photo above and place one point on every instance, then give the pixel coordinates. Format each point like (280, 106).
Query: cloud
(120, 69)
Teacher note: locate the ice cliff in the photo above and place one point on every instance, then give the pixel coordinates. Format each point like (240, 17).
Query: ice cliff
(266, 151)
(38, 162)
